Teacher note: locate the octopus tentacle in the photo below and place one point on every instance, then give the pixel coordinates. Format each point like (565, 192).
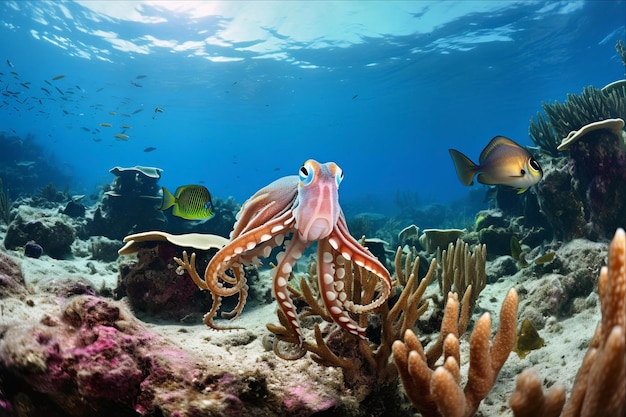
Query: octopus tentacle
(233, 252)
(280, 274)
(341, 240)
(330, 273)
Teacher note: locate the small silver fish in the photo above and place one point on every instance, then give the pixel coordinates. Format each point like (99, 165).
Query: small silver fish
(501, 162)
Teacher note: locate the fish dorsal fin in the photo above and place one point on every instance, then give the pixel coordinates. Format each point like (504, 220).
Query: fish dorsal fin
(493, 144)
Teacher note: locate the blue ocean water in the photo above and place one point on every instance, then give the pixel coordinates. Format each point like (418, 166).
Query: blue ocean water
(250, 90)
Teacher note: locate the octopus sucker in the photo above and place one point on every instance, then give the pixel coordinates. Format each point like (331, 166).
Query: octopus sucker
(333, 243)
(250, 245)
(339, 287)
(346, 255)
(286, 269)
(359, 262)
(336, 310)
(276, 229)
(238, 250)
(267, 251)
(265, 238)
(340, 273)
(281, 282)
(279, 239)
(331, 295)
(328, 279)
(327, 257)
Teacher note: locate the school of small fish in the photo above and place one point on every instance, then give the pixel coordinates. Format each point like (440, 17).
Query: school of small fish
(55, 96)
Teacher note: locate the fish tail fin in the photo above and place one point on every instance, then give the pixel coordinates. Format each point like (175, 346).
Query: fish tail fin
(176, 211)
(465, 168)
(168, 199)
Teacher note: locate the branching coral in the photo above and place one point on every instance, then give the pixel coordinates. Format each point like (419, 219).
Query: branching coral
(463, 272)
(600, 384)
(361, 360)
(438, 392)
(577, 111)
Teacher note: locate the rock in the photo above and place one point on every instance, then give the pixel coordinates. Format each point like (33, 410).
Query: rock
(104, 249)
(94, 358)
(54, 233)
(11, 279)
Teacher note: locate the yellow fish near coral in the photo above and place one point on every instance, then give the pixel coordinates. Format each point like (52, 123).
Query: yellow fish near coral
(191, 202)
(501, 162)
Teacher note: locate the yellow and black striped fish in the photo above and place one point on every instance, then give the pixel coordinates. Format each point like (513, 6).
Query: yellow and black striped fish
(190, 202)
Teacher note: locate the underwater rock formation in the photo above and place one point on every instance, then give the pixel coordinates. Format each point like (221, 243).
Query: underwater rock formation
(11, 279)
(94, 358)
(130, 205)
(53, 232)
(152, 285)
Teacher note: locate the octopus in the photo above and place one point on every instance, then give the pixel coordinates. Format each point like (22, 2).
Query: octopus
(292, 212)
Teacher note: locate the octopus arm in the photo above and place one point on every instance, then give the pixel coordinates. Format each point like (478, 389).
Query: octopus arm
(330, 273)
(280, 277)
(341, 240)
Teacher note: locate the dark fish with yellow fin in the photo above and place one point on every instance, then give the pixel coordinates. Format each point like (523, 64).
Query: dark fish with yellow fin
(190, 202)
(501, 162)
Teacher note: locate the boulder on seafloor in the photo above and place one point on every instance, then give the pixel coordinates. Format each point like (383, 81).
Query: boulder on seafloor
(104, 249)
(94, 358)
(53, 232)
(152, 285)
(11, 278)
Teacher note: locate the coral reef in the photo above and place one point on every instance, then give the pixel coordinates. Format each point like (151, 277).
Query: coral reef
(577, 111)
(600, 384)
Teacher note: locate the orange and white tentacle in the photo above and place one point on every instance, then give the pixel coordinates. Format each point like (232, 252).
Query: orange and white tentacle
(280, 277)
(242, 250)
(330, 274)
(341, 241)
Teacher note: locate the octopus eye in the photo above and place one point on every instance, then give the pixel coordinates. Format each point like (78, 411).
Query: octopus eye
(306, 173)
(339, 176)
(523, 172)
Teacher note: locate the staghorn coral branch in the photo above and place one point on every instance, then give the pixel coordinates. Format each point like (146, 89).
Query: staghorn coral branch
(438, 393)
(530, 401)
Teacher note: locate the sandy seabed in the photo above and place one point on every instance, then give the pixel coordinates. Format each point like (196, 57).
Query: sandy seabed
(242, 351)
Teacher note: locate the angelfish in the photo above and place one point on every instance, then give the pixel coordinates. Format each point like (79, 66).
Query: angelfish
(501, 162)
(190, 202)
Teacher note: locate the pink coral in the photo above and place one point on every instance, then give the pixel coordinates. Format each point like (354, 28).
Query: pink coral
(305, 400)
